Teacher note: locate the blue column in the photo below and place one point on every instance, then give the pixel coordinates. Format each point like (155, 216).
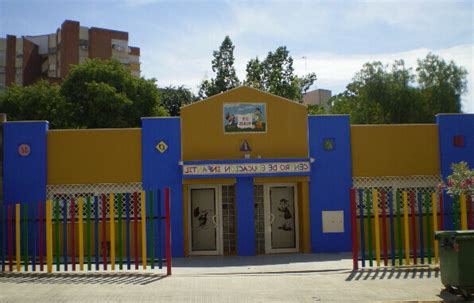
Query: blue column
(245, 217)
(25, 167)
(25, 173)
(331, 180)
(449, 127)
(161, 169)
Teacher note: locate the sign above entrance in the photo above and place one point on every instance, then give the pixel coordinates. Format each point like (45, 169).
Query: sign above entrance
(245, 118)
(248, 168)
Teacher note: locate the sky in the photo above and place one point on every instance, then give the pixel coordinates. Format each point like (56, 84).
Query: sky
(331, 38)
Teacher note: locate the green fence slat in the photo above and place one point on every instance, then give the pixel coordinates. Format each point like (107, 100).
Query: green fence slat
(369, 224)
(119, 229)
(456, 212)
(399, 229)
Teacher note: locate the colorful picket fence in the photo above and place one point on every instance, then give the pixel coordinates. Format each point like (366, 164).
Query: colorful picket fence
(397, 227)
(87, 233)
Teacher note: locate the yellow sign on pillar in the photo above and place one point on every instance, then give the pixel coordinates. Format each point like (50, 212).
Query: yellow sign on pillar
(161, 146)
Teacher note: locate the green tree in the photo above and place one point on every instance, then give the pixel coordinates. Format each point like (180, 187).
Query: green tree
(105, 94)
(223, 66)
(382, 94)
(172, 98)
(276, 75)
(385, 94)
(314, 109)
(442, 84)
(40, 101)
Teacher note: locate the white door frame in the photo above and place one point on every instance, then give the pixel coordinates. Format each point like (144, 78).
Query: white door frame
(268, 218)
(217, 220)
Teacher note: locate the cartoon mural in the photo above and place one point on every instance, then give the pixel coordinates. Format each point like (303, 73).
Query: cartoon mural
(285, 213)
(245, 117)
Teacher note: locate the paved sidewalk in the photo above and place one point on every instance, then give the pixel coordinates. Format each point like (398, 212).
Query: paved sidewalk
(271, 278)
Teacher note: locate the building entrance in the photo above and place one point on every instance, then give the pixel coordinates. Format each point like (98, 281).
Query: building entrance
(205, 220)
(276, 218)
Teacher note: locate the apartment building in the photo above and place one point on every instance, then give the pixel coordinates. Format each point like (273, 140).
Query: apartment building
(317, 97)
(26, 59)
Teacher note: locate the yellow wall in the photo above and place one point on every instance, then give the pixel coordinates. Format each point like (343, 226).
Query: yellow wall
(203, 137)
(94, 156)
(394, 150)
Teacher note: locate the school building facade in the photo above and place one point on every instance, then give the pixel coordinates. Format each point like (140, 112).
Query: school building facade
(249, 172)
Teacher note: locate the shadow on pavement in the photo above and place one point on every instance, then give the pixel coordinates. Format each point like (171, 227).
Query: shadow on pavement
(393, 273)
(277, 259)
(80, 278)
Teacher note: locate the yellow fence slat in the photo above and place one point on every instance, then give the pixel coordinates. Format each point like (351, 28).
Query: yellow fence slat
(463, 212)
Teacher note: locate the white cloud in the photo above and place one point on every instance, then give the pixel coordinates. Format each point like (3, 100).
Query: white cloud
(336, 38)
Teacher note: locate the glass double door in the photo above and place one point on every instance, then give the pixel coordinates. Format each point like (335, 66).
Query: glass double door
(281, 218)
(276, 219)
(205, 220)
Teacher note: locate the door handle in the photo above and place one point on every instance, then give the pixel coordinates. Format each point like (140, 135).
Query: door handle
(272, 218)
(214, 220)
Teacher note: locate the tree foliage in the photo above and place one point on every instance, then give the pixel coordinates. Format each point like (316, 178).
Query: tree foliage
(94, 94)
(40, 101)
(315, 109)
(105, 94)
(172, 98)
(442, 84)
(275, 74)
(223, 66)
(387, 94)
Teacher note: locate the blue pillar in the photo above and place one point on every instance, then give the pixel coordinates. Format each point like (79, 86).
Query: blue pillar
(161, 169)
(24, 162)
(330, 181)
(245, 217)
(25, 168)
(456, 144)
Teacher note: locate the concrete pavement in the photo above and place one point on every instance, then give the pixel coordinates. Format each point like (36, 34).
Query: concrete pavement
(270, 278)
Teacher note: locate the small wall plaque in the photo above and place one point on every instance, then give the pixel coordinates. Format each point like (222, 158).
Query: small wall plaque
(329, 144)
(24, 150)
(161, 146)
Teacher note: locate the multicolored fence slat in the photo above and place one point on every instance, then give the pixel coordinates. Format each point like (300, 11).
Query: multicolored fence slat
(74, 229)
(397, 225)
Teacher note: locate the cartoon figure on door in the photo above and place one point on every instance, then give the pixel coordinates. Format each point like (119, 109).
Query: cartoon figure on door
(286, 214)
(202, 217)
